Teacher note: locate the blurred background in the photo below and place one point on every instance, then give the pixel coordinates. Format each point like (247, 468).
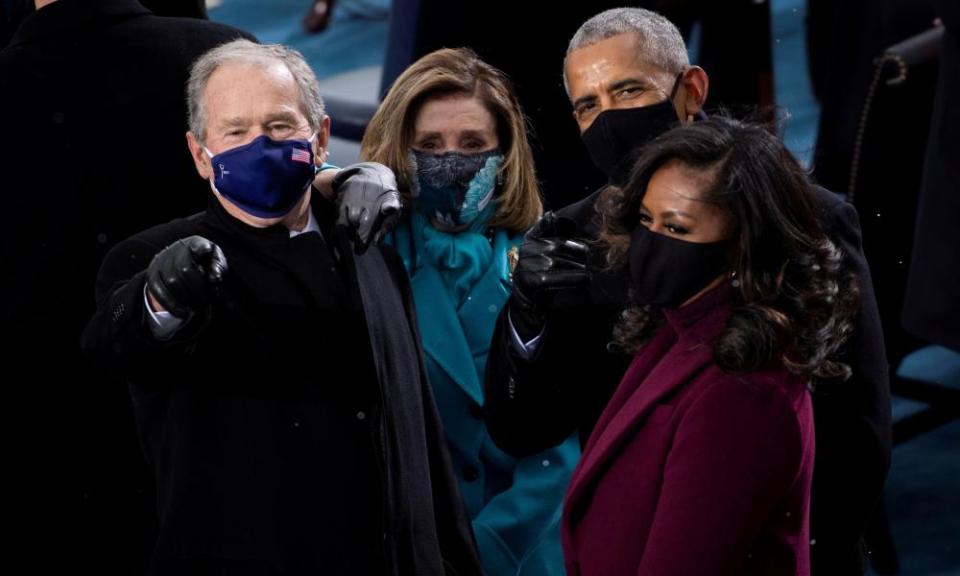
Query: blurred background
(852, 86)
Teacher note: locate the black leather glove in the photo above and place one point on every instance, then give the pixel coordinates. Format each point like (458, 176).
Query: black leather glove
(184, 276)
(367, 201)
(550, 260)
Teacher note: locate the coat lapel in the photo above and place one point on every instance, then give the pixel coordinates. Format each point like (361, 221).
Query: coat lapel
(479, 313)
(646, 382)
(443, 338)
(444, 330)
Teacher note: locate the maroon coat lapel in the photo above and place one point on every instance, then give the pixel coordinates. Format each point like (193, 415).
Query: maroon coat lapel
(633, 402)
(677, 353)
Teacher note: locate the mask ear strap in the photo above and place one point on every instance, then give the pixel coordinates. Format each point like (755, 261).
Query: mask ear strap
(324, 166)
(676, 85)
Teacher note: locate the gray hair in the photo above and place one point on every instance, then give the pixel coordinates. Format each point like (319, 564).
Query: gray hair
(263, 55)
(657, 38)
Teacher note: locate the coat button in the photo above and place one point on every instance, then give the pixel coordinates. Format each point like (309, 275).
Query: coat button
(476, 411)
(471, 474)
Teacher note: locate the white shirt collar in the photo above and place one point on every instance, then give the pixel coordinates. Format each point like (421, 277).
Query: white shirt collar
(311, 226)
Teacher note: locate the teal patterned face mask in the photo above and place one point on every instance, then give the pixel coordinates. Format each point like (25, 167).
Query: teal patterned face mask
(454, 189)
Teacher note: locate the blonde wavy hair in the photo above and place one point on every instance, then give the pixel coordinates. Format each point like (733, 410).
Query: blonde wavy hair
(447, 71)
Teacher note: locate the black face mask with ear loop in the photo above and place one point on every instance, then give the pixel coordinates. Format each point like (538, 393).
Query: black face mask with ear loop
(616, 136)
(666, 272)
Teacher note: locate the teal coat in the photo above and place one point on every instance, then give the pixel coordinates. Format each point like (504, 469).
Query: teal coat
(514, 503)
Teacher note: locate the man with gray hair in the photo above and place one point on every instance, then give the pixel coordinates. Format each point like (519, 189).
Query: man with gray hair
(629, 79)
(274, 365)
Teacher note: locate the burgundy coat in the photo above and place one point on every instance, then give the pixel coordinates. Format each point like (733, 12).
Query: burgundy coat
(691, 471)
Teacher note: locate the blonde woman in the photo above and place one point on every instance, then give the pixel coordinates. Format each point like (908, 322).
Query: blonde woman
(453, 132)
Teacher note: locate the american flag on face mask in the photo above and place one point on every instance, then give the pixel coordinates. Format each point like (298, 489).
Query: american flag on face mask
(299, 155)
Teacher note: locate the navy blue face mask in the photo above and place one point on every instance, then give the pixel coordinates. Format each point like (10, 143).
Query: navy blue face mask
(265, 178)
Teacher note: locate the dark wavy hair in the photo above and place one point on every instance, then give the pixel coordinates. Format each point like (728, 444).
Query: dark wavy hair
(795, 301)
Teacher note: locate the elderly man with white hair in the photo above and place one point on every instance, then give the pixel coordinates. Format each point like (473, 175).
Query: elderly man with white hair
(274, 365)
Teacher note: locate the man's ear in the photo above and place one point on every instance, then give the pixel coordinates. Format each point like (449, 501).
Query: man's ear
(322, 141)
(694, 85)
(200, 159)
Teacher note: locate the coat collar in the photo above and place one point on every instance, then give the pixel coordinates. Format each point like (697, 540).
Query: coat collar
(444, 327)
(703, 318)
(276, 236)
(311, 259)
(677, 353)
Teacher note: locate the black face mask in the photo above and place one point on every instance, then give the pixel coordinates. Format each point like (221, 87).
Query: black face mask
(616, 136)
(666, 272)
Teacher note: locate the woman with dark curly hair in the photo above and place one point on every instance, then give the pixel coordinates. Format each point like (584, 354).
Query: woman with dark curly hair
(702, 460)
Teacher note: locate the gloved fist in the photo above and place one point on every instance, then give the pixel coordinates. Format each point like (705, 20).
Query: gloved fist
(367, 201)
(183, 277)
(550, 260)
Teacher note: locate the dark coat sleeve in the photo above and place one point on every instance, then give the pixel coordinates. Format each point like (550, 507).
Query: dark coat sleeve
(118, 336)
(853, 417)
(536, 403)
(527, 407)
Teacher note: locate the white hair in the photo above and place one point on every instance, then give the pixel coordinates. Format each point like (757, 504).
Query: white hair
(657, 38)
(264, 55)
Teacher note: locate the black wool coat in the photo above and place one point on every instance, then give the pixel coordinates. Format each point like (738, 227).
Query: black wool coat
(290, 426)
